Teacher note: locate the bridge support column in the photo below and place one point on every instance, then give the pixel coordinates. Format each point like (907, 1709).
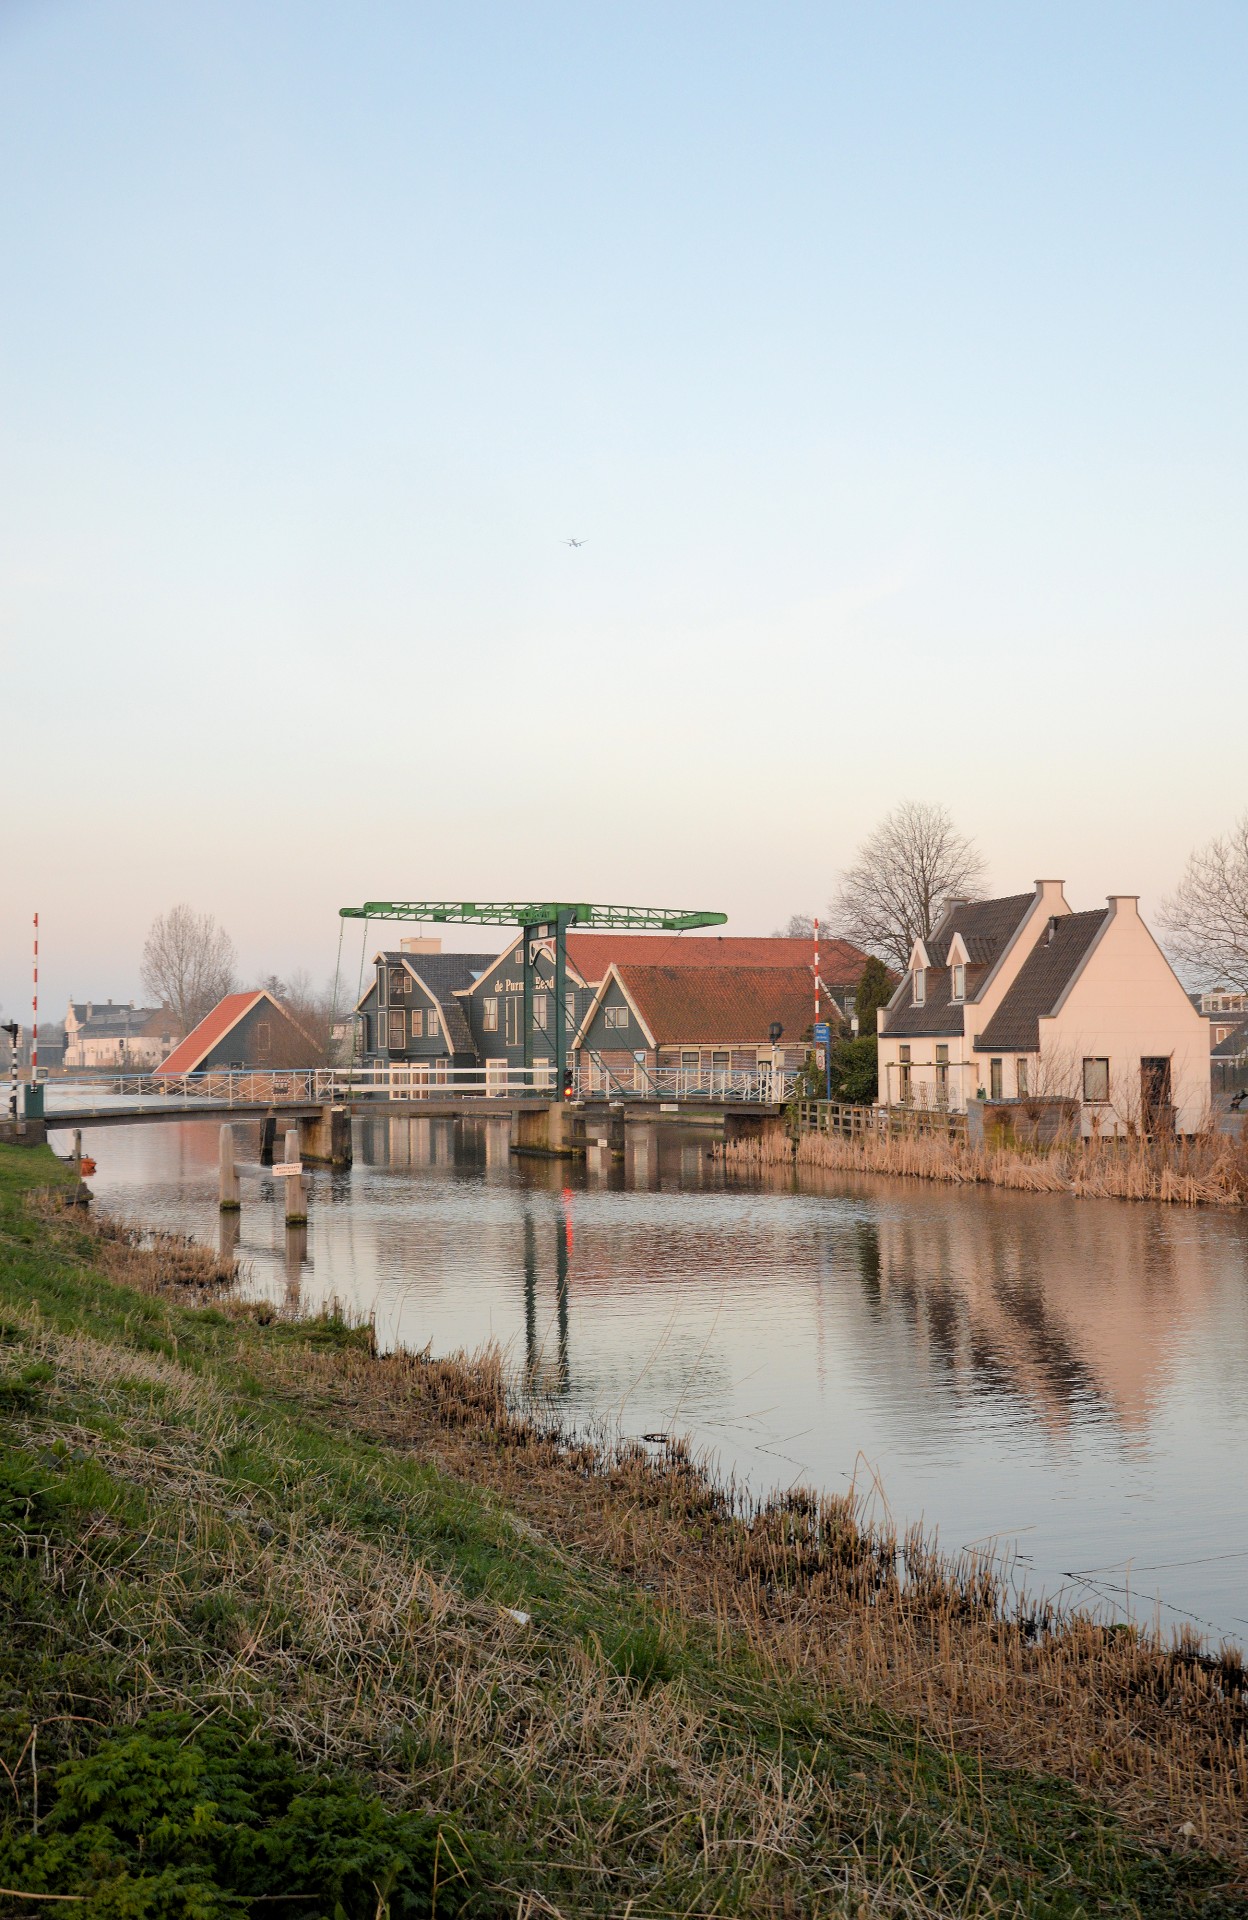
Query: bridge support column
(325, 1137)
(227, 1179)
(543, 1130)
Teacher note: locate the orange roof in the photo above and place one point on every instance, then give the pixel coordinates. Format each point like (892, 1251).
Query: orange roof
(840, 964)
(213, 1027)
(720, 1006)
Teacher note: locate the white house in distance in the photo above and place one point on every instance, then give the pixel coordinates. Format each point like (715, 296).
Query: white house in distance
(1022, 999)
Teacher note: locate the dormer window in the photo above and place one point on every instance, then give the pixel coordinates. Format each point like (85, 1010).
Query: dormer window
(920, 986)
(957, 988)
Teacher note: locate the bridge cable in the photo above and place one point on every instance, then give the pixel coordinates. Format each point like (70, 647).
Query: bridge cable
(333, 999)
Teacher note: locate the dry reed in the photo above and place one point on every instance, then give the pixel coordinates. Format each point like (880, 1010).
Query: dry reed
(1207, 1169)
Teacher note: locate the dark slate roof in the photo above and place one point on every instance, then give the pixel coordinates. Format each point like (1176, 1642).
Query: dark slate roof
(985, 926)
(939, 1013)
(443, 973)
(458, 1032)
(1042, 979)
(1235, 1043)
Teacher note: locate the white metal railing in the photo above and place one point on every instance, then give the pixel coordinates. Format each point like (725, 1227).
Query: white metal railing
(411, 1081)
(594, 1079)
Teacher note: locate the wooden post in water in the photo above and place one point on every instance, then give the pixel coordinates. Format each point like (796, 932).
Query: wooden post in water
(227, 1179)
(296, 1204)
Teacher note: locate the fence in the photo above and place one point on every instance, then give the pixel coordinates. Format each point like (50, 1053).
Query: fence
(883, 1123)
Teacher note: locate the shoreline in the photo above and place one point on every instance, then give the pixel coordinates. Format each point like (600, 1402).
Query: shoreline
(1210, 1170)
(773, 1695)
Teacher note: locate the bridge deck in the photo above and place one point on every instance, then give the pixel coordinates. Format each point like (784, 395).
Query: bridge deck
(687, 1112)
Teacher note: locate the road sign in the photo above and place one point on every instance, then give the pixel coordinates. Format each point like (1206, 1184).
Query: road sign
(822, 1033)
(285, 1168)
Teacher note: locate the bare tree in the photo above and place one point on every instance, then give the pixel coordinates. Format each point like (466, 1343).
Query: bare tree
(904, 872)
(1206, 916)
(188, 963)
(798, 926)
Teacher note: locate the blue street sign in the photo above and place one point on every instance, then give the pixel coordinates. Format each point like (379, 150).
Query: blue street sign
(822, 1036)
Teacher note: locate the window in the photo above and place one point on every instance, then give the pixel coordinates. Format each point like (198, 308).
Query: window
(417, 1019)
(1096, 1081)
(396, 982)
(995, 1081)
(382, 977)
(1020, 1069)
(264, 1038)
(489, 1015)
(364, 1040)
(407, 981)
(539, 1012)
(432, 1023)
(512, 1009)
(397, 1037)
(903, 1075)
(958, 988)
(615, 1017)
(919, 990)
(942, 1075)
(569, 1015)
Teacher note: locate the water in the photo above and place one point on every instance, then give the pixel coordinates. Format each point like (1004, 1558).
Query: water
(1062, 1380)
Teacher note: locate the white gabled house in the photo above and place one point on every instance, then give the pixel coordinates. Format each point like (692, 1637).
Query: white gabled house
(1022, 999)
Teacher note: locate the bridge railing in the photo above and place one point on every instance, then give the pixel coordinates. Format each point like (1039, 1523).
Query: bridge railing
(595, 1079)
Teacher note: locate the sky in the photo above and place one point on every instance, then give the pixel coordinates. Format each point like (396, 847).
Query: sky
(889, 361)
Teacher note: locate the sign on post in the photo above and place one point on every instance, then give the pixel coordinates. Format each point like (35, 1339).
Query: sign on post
(822, 1033)
(286, 1169)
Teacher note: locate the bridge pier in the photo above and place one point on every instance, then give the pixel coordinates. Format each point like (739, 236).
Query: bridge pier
(544, 1130)
(325, 1138)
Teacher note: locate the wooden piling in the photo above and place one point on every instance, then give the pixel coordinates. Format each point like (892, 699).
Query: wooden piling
(227, 1177)
(296, 1203)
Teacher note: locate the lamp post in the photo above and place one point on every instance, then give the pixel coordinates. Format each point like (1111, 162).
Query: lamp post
(777, 1062)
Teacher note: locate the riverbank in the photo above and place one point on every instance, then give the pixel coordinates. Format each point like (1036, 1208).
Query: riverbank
(514, 1673)
(1210, 1169)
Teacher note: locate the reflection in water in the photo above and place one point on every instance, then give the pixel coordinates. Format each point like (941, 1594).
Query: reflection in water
(1065, 1376)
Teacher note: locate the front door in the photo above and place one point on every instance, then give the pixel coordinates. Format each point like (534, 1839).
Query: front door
(1156, 1112)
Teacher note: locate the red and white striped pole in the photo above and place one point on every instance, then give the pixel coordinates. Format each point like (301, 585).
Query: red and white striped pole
(816, 973)
(34, 1013)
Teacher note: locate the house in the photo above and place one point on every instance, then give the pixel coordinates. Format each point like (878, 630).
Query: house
(707, 1022)
(410, 1012)
(1022, 999)
(243, 1030)
(478, 999)
(121, 1036)
(1225, 1008)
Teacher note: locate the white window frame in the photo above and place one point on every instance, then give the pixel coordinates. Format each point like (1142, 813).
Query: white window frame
(957, 982)
(539, 1013)
(1095, 1099)
(489, 1013)
(918, 988)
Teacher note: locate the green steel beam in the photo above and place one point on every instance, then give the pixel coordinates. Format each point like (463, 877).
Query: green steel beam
(528, 913)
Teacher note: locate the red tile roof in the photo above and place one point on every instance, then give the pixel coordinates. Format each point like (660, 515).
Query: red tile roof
(721, 1006)
(840, 964)
(212, 1028)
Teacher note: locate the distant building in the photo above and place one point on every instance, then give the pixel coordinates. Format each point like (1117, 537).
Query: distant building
(410, 1012)
(243, 1030)
(708, 1023)
(1225, 1008)
(101, 1035)
(1022, 999)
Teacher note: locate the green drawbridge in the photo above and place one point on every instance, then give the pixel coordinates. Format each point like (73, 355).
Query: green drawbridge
(540, 922)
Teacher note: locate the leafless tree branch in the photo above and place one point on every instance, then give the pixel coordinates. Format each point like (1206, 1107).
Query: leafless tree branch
(905, 870)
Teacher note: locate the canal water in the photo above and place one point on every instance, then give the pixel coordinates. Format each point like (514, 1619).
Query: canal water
(1062, 1382)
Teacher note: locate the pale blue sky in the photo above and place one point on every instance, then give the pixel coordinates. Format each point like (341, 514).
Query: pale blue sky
(890, 360)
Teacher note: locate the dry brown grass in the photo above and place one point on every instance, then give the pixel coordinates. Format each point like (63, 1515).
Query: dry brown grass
(361, 1652)
(1208, 1169)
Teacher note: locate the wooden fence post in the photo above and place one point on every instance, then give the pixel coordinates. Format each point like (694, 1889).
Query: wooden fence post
(296, 1204)
(227, 1190)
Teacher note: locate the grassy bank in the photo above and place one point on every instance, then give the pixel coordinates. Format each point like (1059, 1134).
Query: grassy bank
(286, 1621)
(1209, 1169)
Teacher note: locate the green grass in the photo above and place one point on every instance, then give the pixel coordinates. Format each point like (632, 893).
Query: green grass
(251, 1652)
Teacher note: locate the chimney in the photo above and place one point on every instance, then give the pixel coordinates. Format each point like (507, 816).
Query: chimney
(412, 943)
(1127, 904)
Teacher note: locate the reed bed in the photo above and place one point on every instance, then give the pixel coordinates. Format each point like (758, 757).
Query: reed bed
(1208, 1169)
